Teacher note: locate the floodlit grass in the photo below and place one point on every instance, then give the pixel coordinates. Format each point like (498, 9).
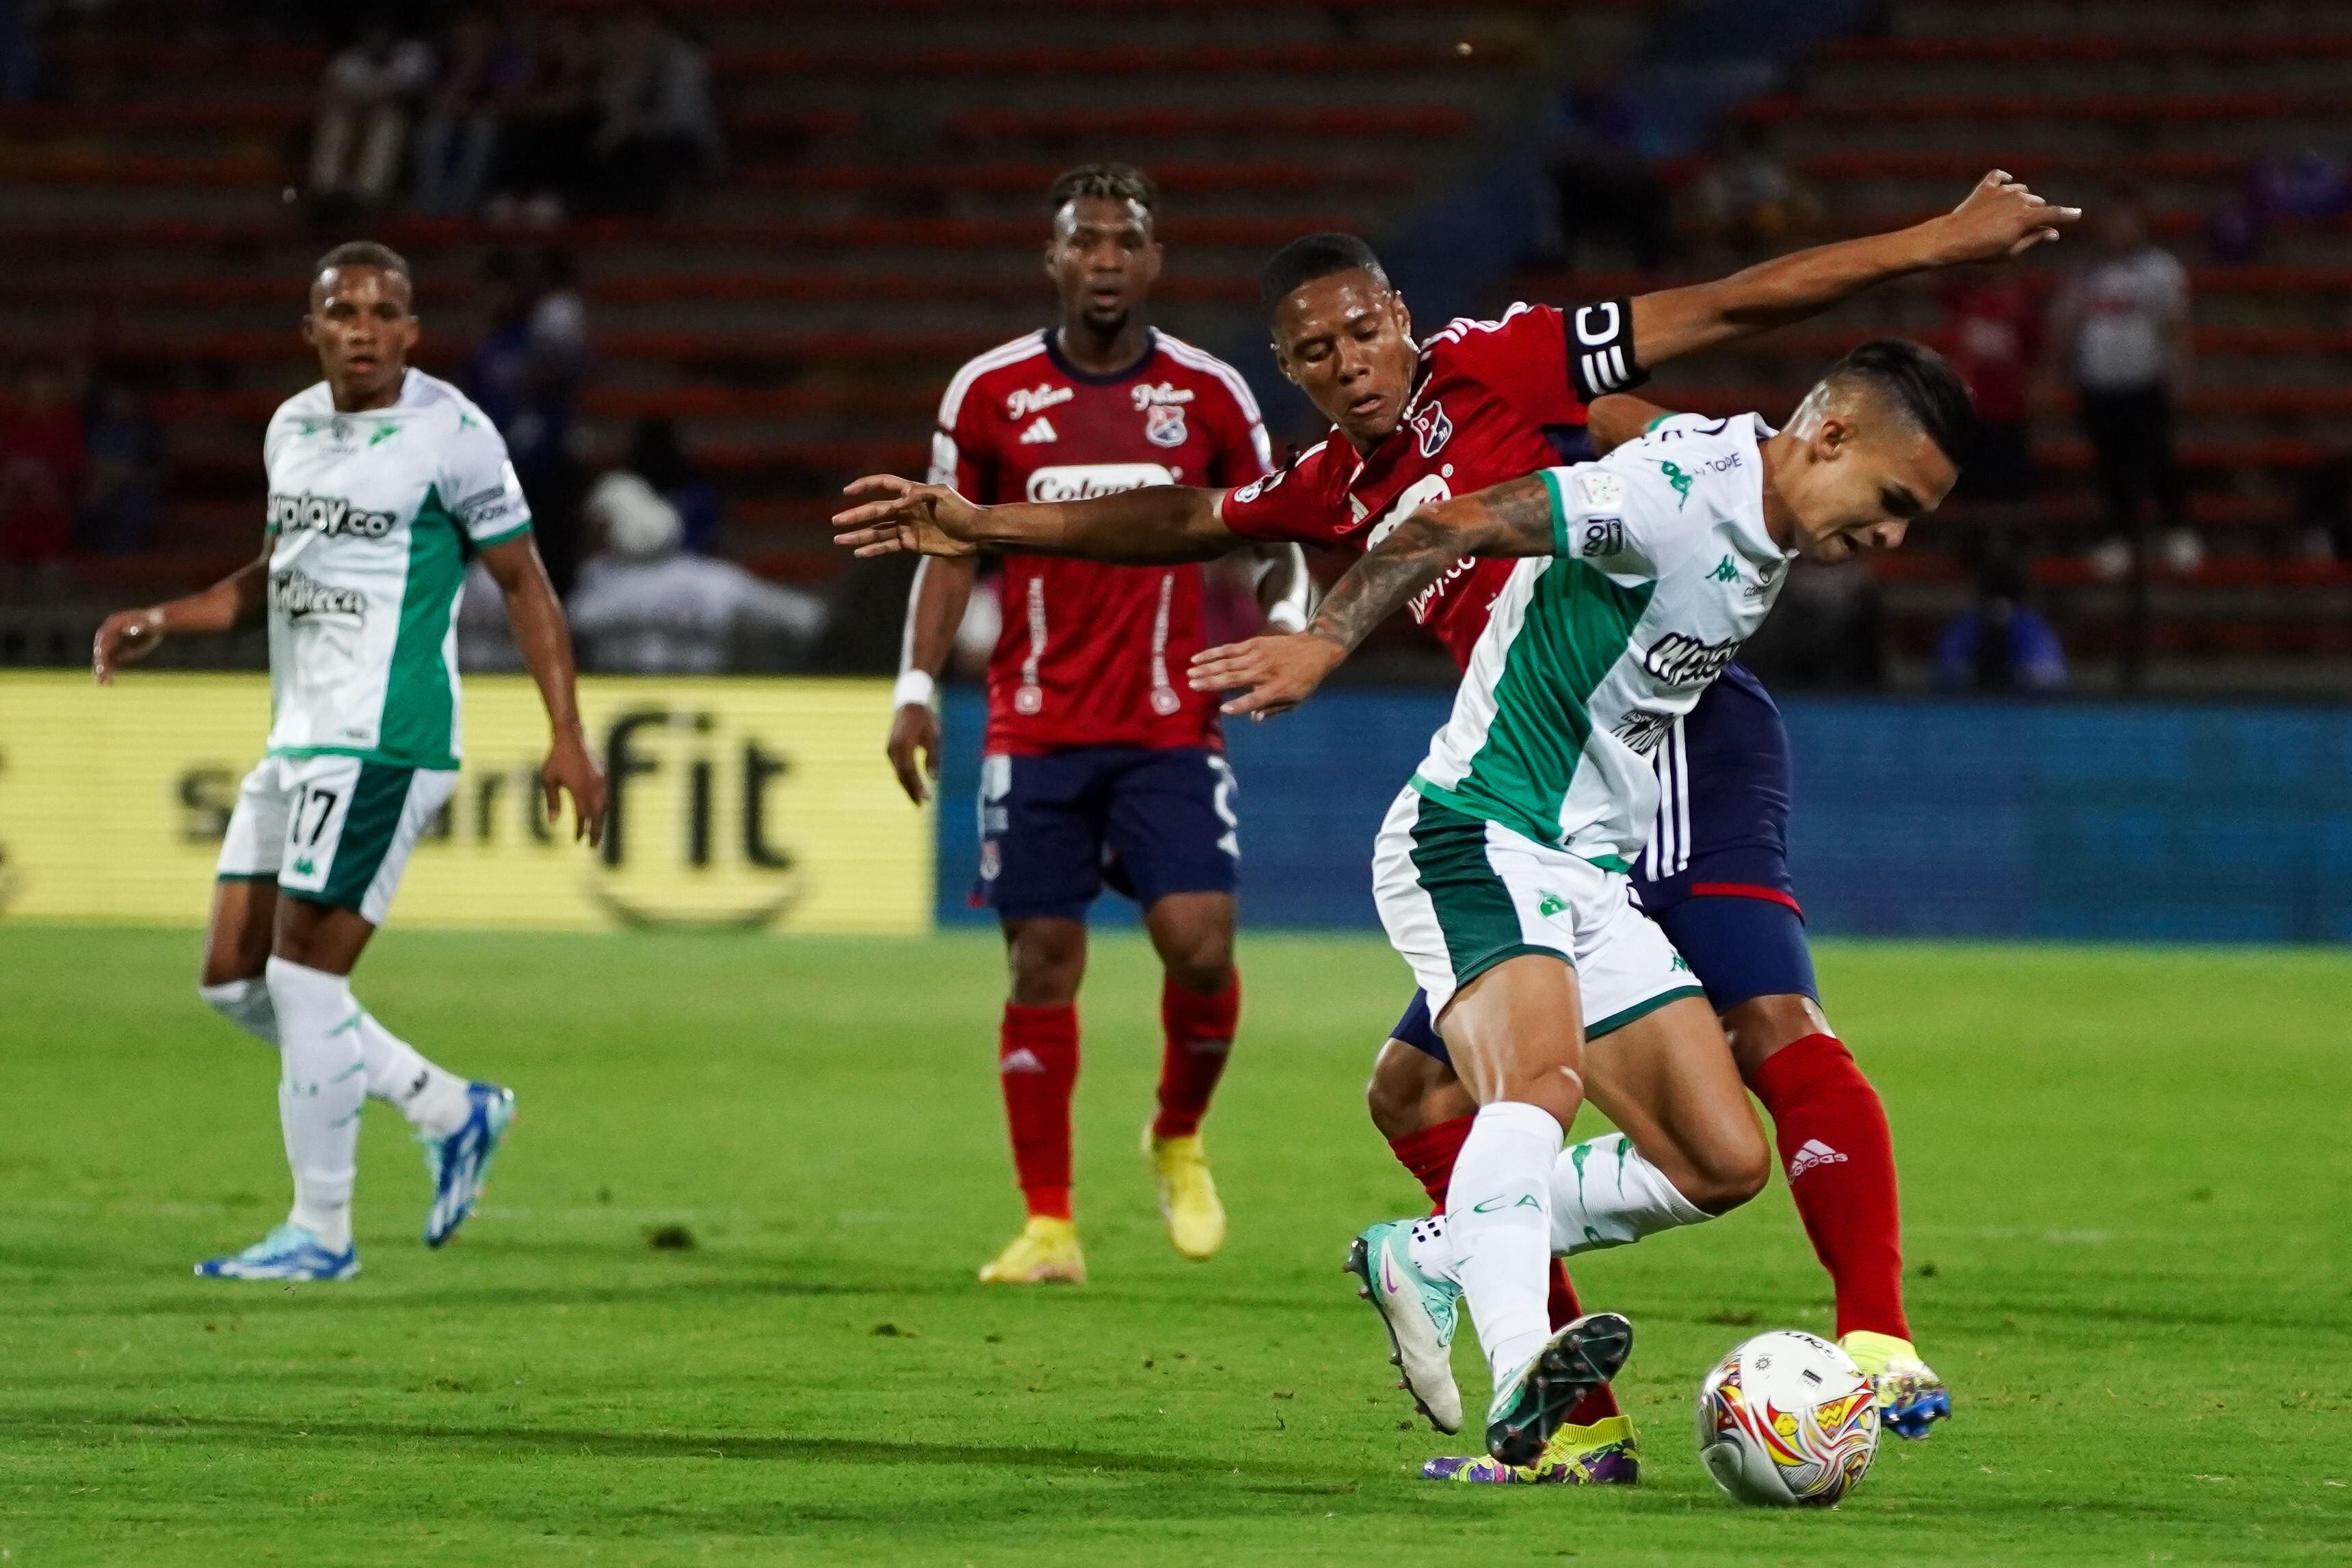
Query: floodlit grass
(2125, 1179)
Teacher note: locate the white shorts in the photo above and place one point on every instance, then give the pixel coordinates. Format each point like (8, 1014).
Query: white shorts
(1459, 895)
(333, 830)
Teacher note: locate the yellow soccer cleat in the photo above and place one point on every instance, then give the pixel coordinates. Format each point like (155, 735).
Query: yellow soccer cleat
(1911, 1397)
(1188, 1195)
(1045, 1254)
(1602, 1455)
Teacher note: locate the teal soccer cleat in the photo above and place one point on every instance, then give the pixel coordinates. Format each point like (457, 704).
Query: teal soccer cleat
(1531, 1403)
(1420, 1311)
(289, 1252)
(459, 1164)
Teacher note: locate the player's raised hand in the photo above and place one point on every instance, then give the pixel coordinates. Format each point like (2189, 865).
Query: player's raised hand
(125, 637)
(1274, 675)
(2001, 218)
(570, 769)
(905, 517)
(914, 729)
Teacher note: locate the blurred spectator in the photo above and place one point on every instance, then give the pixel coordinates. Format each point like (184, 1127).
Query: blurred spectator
(1996, 342)
(2001, 645)
(656, 123)
(645, 606)
(2324, 509)
(526, 373)
(365, 101)
(1826, 632)
(546, 122)
(1746, 200)
(458, 136)
(126, 461)
(23, 76)
(2123, 327)
(1606, 187)
(42, 463)
(659, 457)
(2308, 186)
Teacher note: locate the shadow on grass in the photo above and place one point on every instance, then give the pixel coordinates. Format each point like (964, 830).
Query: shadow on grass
(518, 1441)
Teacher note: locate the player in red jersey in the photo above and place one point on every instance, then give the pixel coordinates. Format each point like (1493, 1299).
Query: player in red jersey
(1476, 403)
(1100, 763)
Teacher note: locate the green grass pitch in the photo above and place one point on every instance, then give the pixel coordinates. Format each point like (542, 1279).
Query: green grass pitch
(2126, 1182)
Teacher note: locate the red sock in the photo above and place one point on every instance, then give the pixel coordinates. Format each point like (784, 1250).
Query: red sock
(1429, 1154)
(1840, 1158)
(1037, 1063)
(1199, 1032)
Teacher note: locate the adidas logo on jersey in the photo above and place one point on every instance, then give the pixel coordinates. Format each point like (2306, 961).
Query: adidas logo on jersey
(1813, 1153)
(1040, 430)
(1025, 1061)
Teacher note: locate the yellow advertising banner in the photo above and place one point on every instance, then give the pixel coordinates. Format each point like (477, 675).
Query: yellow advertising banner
(759, 804)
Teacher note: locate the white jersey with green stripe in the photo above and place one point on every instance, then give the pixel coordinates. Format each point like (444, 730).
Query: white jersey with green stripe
(373, 516)
(1661, 567)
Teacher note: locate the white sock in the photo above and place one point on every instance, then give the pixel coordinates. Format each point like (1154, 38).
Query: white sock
(1499, 1211)
(432, 1097)
(1603, 1193)
(321, 1085)
(245, 1003)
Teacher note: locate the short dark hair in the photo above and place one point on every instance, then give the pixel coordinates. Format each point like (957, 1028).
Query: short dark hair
(364, 253)
(1311, 256)
(1920, 385)
(1113, 182)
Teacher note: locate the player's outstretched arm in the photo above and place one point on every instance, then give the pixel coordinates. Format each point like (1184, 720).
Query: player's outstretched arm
(128, 637)
(545, 641)
(1149, 527)
(1275, 674)
(1999, 218)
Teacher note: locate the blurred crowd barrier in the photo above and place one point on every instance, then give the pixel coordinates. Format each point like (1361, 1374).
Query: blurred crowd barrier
(745, 803)
(1913, 818)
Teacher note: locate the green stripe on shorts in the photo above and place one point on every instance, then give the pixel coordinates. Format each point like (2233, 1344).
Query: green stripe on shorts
(1618, 1020)
(377, 801)
(1475, 912)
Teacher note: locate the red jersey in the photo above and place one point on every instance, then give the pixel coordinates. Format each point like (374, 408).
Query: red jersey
(1093, 655)
(1485, 396)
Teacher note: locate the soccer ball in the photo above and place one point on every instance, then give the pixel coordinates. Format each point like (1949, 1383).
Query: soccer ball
(1787, 1418)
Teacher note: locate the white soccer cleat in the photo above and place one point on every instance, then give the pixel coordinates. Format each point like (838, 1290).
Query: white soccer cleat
(1420, 1312)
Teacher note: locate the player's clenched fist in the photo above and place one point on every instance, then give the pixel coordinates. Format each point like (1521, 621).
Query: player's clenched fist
(906, 517)
(126, 637)
(1274, 675)
(2001, 218)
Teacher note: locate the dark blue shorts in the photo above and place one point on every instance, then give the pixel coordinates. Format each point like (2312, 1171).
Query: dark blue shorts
(1054, 829)
(1715, 873)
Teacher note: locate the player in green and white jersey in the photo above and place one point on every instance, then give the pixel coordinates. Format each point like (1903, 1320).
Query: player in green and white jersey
(1500, 871)
(383, 483)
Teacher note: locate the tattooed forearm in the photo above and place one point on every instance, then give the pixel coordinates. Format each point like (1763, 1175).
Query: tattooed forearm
(1513, 518)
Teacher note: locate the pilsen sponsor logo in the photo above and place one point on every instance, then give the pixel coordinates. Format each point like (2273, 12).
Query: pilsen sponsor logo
(1681, 661)
(1162, 394)
(1084, 481)
(297, 597)
(326, 514)
(1033, 399)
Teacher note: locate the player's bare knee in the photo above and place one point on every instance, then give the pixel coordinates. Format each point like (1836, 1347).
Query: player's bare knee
(1044, 961)
(1203, 971)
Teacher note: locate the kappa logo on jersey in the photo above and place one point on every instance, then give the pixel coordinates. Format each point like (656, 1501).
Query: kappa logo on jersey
(1681, 481)
(1084, 481)
(327, 516)
(1039, 432)
(296, 596)
(1163, 425)
(1642, 730)
(1033, 399)
(1725, 571)
(1431, 429)
(1681, 661)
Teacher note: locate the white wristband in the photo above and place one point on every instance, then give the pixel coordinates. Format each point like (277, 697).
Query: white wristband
(914, 689)
(1286, 616)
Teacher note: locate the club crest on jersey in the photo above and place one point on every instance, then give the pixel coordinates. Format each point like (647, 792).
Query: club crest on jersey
(1021, 404)
(1681, 661)
(1163, 424)
(1432, 430)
